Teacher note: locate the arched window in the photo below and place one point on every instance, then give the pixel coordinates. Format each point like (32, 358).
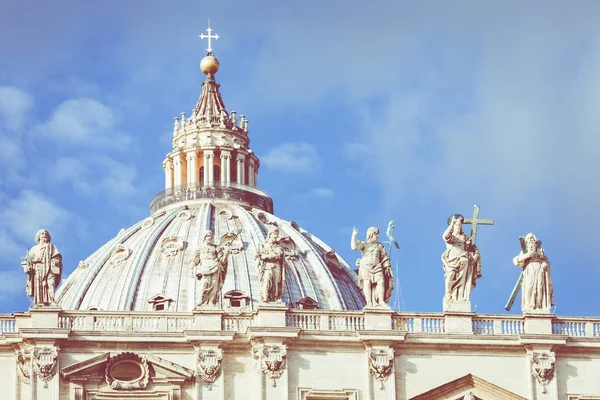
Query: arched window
(201, 173)
(217, 173)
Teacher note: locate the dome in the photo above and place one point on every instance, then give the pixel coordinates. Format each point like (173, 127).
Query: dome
(150, 262)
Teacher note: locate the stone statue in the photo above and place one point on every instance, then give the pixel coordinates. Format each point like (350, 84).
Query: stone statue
(461, 262)
(210, 267)
(43, 264)
(271, 268)
(375, 276)
(537, 291)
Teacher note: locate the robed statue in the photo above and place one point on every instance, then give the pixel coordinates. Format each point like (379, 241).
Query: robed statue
(43, 265)
(537, 291)
(461, 262)
(375, 276)
(271, 268)
(210, 268)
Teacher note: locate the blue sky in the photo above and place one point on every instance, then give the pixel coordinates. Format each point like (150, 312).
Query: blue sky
(360, 114)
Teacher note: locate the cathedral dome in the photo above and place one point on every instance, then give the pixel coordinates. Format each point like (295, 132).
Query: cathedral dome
(149, 263)
(210, 185)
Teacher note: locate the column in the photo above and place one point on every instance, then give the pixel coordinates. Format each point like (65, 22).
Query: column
(168, 168)
(205, 170)
(177, 169)
(225, 166)
(191, 168)
(241, 169)
(209, 167)
(251, 172)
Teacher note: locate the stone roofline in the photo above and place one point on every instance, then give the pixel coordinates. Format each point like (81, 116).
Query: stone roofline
(379, 323)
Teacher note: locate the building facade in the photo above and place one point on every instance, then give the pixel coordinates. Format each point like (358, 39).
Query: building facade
(164, 311)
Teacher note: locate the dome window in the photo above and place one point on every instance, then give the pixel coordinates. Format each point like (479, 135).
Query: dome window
(307, 303)
(236, 299)
(160, 302)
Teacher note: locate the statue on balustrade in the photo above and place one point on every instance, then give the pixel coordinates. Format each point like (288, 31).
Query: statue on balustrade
(271, 268)
(537, 291)
(375, 276)
(210, 268)
(43, 265)
(461, 262)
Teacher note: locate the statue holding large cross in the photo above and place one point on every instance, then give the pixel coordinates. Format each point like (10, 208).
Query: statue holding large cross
(461, 261)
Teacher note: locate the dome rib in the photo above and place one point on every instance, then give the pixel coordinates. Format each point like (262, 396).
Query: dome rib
(125, 284)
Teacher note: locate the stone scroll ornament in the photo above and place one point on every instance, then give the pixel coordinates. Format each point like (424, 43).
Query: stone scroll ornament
(381, 362)
(270, 360)
(542, 368)
(44, 363)
(209, 366)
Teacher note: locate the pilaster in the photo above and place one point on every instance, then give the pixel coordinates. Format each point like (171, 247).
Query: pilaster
(168, 168)
(191, 167)
(225, 166)
(177, 165)
(209, 167)
(251, 172)
(241, 168)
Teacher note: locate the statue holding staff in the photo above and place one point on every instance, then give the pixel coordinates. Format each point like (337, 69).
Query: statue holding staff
(537, 291)
(375, 275)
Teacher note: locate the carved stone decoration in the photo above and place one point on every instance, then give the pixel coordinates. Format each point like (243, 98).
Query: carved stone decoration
(375, 275)
(82, 265)
(270, 257)
(127, 371)
(381, 362)
(119, 255)
(538, 293)
(171, 246)
(44, 363)
(289, 248)
(232, 242)
(469, 396)
(331, 261)
(542, 368)
(270, 360)
(148, 222)
(209, 365)
(43, 266)
(461, 262)
(24, 365)
(184, 215)
(225, 213)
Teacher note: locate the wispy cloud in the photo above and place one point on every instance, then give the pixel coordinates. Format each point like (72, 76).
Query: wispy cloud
(295, 157)
(15, 105)
(322, 193)
(85, 122)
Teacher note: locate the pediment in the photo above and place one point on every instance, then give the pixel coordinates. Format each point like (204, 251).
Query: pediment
(163, 370)
(469, 387)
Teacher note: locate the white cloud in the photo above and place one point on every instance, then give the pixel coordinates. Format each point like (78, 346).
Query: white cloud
(111, 178)
(24, 215)
(15, 105)
(298, 157)
(323, 193)
(86, 122)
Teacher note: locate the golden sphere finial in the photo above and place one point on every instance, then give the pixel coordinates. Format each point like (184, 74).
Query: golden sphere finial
(209, 64)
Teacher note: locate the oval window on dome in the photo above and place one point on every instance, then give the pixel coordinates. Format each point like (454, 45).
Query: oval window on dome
(127, 371)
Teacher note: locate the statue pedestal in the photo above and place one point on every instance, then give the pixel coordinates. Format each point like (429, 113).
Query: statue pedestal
(457, 306)
(44, 317)
(378, 318)
(271, 314)
(538, 323)
(208, 320)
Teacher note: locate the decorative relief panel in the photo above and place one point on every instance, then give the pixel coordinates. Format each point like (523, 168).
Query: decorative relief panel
(148, 222)
(171, 246)
(224, 213)
(127, 371)
(542, 368)
(24, 365)
(270, 360)
(184, 215)
(209, 365)
(381, 362)
(119, 255)
(232, 242)
(44, 363)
